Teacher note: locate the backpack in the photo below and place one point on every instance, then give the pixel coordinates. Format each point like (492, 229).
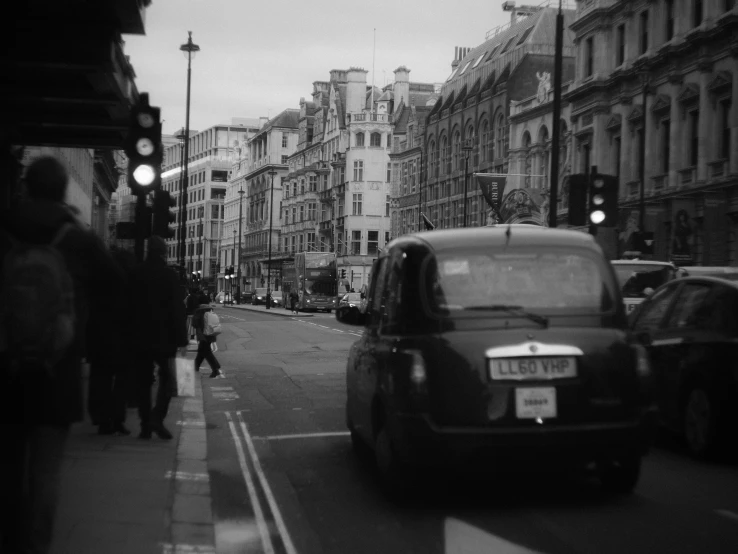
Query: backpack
(37, 314)
(212, 327)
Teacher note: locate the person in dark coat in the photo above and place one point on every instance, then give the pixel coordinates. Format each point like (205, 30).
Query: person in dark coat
(36, 410)
(160, 331)
(294, 300)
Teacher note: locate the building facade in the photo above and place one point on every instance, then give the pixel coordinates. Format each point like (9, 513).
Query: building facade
(654, 102)
(474, 110)
(211, 154)
(261, 181)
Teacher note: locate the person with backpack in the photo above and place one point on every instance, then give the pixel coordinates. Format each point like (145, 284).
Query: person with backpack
(160, 332)
(53, 274)
(207, 325)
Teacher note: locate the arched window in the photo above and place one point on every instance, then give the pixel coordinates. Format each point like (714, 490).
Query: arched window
(432, 167)
(359, 139)
(485, 138)
(457, 150)
(528, 160)
(470, 140)
(445, 162)
(500, 136)
(375, 139)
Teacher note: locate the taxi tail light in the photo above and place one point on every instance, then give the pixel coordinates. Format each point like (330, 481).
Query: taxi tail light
(643, 363)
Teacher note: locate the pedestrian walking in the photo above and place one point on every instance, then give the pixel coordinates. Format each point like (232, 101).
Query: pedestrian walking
(53, 274)
(191, 302)
(294, 299)
(207, 327)
(160, 326)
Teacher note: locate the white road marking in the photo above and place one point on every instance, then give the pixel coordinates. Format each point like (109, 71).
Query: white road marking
(323, 326)
(296, 409)
(281, 527)
(304, 436)
(186, 476)
(226, 395)
(728, 514)
(462, 538)
(266, 539)
(191, 423)
(168, 548)
(221, 388)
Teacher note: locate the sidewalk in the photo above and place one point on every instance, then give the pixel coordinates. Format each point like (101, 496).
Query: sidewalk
(122, 494)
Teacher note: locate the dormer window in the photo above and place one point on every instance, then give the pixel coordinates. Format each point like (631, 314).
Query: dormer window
(465, 68)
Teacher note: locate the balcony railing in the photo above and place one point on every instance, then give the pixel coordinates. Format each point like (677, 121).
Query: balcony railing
(718, 168)
(687, 176)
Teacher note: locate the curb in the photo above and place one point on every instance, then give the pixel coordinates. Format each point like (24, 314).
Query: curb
(191, 518)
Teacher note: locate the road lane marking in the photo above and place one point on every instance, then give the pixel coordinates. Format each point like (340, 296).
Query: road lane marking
(281, 527)
(266, 539)
(304, 436)
(728, 514)
(187, 476)
(221, 388)
(225, 395)
(168, 548)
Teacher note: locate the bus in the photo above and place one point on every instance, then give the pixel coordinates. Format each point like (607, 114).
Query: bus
(313, 274)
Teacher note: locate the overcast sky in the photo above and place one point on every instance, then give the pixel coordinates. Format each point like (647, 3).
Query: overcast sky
(259, 58)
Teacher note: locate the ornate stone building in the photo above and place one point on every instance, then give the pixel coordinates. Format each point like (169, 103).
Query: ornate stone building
(655, 94)
(474, 110)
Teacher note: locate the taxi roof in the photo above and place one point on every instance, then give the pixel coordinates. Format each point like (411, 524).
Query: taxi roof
(519, 235)
(641, 262)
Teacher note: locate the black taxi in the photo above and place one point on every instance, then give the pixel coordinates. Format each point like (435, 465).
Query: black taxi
(505, 343)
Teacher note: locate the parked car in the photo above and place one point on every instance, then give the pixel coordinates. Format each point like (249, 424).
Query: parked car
(639, 278)
(260, 294)
(692, 324)
(247, 296)
(505, 344)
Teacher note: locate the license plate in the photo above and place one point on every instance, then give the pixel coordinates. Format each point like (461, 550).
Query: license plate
(535, 402)
(520, 369)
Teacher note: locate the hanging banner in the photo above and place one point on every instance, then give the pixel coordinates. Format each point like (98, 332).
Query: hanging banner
(492, 186)
(682, 232)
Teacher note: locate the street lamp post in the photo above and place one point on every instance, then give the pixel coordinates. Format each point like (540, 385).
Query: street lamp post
(240, 220)
(189, 49)
(467, 148)
(232, 277)
(271, 173)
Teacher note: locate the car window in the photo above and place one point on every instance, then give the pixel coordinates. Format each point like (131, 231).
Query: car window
(653, 310)
(375, 308)
(686, 306)
(392, 292)
(562, 280)
(636, 279)
(719, 312)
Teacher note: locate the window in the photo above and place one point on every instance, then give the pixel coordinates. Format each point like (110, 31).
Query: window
(693, 118)
(644, 32)
(665, 146)
(359, 141)
(389, 172)
(640, 138)
(302, 186)
(357, 202)
(294, 214)
(500, 136)
(302, 243)
(697, 13)
(485, 140)
(589, 57)
(586, 157)
(375, 139)
(302, 213)
(372, 243)
(313, 183)
(724, 108)
(413, 180)
(284, 160)
(311, 242)
(284, 140)
(687, 306)
(620, 59)
(356, 242)
(669, 5)
(311, 211)
(654, 309)
(387, 206)
(358, 170)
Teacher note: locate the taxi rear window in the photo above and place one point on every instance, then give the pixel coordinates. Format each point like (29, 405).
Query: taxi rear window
(639, 280)
(559, 281)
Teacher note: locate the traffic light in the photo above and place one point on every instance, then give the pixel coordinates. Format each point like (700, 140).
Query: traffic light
(603, 200)
(163, 202)
(343, 274)
(143, 147)
(578, 185)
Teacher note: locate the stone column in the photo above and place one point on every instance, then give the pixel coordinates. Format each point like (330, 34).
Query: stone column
(675, 138)
(733, 163)
(626, 141)
(705, 134)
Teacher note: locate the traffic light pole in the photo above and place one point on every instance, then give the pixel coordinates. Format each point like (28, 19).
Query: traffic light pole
(591, 176)
(141, 227)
